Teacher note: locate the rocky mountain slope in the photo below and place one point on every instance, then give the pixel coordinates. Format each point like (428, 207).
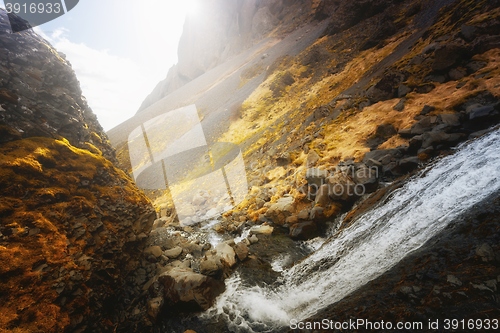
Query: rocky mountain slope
(390, 83)
(72, 224)
(352, 95)
(225, 29)
(333, 104)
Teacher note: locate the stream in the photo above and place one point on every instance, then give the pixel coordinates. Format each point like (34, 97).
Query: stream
(371, 245)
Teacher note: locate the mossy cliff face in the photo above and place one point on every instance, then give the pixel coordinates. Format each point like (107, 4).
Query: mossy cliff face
(71, 223)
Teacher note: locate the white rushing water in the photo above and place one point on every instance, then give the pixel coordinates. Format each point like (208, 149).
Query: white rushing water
(373, 244)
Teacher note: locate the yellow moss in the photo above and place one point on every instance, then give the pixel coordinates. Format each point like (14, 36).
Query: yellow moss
(41, 186)
(96, 138)
(265, 114)
(483, 17)
(394, 142)
(250, 73)
(276, 173)
(346, 137)
(261, 109)
(93, 148)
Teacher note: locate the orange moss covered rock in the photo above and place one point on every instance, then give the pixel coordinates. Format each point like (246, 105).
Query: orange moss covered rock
(69, 222)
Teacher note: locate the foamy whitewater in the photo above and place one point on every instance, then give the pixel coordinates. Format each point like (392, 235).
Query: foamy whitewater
(373, 244)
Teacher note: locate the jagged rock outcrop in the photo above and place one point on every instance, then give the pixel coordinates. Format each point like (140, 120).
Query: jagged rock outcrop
(43, 94)
(71, 223)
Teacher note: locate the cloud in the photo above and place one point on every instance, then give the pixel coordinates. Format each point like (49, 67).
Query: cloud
(114, 86)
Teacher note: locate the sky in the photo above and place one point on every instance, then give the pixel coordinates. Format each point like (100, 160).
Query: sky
(119, 49)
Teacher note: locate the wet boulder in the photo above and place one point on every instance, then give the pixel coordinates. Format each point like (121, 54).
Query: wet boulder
(189, 290)
(312, 158)
(304, 230)
(476, 111)
(409, 163)
(303, 214)
(386, 88)
(450, 119)
(427, 109)
(380, 154)
(382, 133)
(403, 90)
(385, 131)
(341, 187)
(400, 106)
(323, 196)
(262, 229)
(468, 32)
(449, 55)
(435, 138)
(174, 252)
(226, 254)
(318, 214)
(456, 74)
(485, 252)
(154, 250)
(292, 219)
(211, 266)
(241, 250)
(424, 125)
(283, 159)
(316, 177)
(478, 134)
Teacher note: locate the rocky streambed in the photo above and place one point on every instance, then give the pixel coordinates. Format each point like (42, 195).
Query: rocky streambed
(183, 268)
(428, 260)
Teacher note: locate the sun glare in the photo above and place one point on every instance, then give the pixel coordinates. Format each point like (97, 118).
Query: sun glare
(159, 23)
(191, 7)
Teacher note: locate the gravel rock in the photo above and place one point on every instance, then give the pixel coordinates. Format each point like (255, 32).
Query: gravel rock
(154, 250)
(173, 253)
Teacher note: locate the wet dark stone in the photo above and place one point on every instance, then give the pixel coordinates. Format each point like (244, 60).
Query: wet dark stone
(304, 230)
(480, 111)
(400, 105)
(468, 32)
(427, 109)
(448, 55)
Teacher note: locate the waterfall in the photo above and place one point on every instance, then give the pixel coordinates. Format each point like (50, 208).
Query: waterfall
(371, 245)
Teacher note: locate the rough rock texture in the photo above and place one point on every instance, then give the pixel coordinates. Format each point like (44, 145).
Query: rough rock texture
(279, 211)
(346, 14)
(41, 94)
(184, 288)
(70, 221)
